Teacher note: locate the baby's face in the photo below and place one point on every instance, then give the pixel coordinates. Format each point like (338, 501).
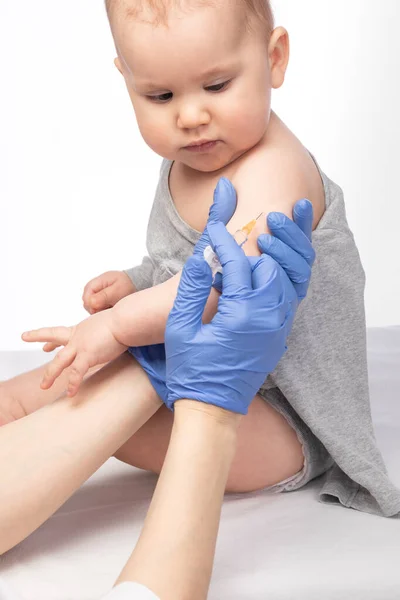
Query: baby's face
(203, 78)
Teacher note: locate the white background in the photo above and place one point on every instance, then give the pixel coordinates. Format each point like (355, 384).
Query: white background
(77, 181)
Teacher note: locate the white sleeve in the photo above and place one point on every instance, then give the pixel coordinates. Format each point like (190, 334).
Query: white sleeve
(128, 590)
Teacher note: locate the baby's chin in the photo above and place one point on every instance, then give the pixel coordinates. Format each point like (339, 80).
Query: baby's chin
(210, 162)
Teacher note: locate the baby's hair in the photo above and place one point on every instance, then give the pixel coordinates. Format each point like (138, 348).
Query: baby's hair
(259, 11)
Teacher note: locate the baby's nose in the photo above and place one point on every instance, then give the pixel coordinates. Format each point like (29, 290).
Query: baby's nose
(192, 116)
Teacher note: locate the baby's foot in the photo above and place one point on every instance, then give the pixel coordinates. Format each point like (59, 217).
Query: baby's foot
(10, 408)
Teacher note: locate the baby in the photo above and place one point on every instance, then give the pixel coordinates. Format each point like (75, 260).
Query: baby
(199, 74)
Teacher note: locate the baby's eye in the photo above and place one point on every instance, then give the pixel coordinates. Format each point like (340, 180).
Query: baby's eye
(218, 87)
(162, 98)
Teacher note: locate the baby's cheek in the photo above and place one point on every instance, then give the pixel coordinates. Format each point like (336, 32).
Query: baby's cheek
(247, 131)
(249, 120)
(155, 135)
(153, 138)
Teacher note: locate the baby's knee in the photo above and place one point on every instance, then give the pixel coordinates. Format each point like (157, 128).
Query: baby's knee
(147, 448)
(268, 450)
(11, 409)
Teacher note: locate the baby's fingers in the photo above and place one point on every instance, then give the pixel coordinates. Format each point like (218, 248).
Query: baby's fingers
(100, 301)
(50, 346)
(96, 285)
(57, 335)
(60, 362)
(78, 371)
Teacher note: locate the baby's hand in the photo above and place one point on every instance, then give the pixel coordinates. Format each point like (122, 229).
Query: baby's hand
(106, 290)
(86, 345)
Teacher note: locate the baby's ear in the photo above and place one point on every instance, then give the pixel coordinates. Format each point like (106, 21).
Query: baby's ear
(117, 63)
(278, 52)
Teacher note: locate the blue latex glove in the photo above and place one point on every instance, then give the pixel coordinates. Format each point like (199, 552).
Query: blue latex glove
(152, 358)
(226, 361)
(289, 245)
(221, 210)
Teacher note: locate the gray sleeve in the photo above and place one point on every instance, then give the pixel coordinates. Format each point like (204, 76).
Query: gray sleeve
(142, 275)
(324, 376)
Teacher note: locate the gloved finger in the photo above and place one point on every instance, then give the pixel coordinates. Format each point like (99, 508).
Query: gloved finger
(303, 215)
(61, 361)
(292, 300)
(193, 292)
(222, 209)
(224, 204)
(271, 281)
(296, 267)
(265, 272)
(288, 232)
(236, 270)
(253, 260)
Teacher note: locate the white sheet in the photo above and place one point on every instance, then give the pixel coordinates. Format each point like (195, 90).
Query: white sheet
(270, 547)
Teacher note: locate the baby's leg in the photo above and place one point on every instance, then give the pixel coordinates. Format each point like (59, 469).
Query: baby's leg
(21, 395)
(47, 455)
(268, 450)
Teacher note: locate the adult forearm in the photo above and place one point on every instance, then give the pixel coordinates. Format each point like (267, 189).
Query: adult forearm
(175, 552)
(140, 319)
(47, 455)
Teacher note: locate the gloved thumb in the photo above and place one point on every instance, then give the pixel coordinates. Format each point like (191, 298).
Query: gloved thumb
(224, 204)
(222, 209)
(193, 292)
(303, 216)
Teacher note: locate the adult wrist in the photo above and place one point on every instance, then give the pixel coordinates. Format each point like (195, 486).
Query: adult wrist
(208, 430)
(186, 408)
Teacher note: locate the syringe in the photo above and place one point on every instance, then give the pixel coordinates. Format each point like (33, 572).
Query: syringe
(241, 236)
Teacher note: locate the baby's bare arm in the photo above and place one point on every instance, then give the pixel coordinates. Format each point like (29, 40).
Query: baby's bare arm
(272, 180)
(140, 319)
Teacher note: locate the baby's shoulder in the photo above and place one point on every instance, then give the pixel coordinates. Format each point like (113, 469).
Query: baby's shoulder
(273, 175)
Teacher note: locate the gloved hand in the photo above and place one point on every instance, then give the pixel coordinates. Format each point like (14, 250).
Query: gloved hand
(221, 210)
(290, 245)
(106, 290)
(225, 362)
(152, 358)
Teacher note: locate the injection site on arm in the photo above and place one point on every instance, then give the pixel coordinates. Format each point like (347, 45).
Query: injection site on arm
(241, 236)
